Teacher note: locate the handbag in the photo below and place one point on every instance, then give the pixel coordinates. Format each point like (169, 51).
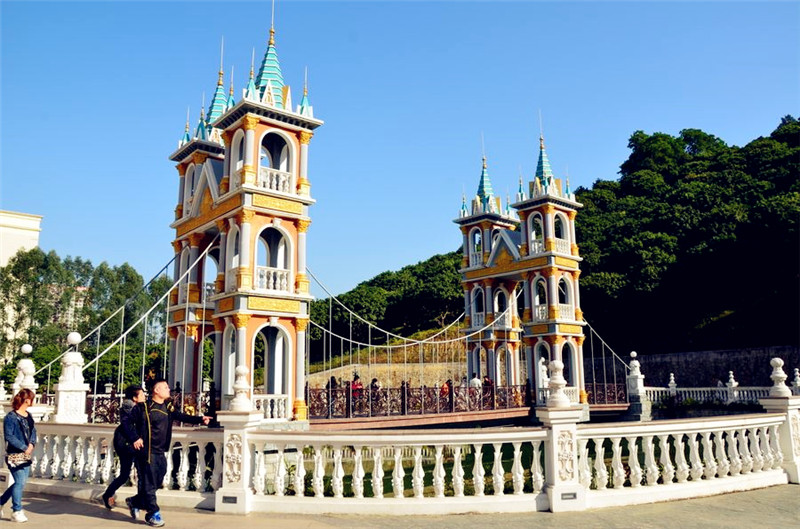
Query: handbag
(17, 460)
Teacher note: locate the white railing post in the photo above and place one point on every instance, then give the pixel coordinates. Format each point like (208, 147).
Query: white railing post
(732, 384)
(795, 382)
(71, 389)
(673, 386)
(563, 488)
(780, 400)
(236, 494)
(639, 403)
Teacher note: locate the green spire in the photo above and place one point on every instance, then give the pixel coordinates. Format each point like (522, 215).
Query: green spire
(270, 73)
(305, 105)
(543, 170)
(201, 133)
(485, 194)
(231, 101)
(186, 136)
(250, 91)
(218, 102)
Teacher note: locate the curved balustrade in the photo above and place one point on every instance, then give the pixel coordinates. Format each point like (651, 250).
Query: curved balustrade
(275, 180)
(268, 278)
(661, 454)
(274, 407)
(709, 394)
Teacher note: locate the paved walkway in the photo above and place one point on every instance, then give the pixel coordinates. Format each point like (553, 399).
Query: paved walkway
(766, 508)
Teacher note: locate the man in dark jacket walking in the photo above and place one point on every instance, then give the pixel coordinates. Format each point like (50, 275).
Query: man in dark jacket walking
(153, 423)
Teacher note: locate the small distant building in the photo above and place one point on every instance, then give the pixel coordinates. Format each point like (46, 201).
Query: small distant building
(18, 231)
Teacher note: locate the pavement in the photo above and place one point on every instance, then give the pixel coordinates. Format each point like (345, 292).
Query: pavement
(777, 507)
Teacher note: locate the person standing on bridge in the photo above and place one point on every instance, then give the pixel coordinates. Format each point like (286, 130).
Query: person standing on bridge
(152, 420)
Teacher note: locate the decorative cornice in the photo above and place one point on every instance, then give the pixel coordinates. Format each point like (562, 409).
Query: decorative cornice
(177, 246)
(227, 136)
(181, 169)
(301, 324)
(245, 215)
(195, 239)
(303, 224)
(199, 158)
(222, 225)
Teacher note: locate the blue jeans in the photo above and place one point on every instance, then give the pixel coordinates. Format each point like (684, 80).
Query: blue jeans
(20, 476)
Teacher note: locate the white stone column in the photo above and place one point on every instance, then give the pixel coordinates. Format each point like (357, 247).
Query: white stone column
(563, 490)
(300, 406)
(236, 494)
(71, 391)
(640, 406)
(194, 251)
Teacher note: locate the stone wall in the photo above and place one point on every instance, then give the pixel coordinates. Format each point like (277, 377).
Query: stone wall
(702, 368)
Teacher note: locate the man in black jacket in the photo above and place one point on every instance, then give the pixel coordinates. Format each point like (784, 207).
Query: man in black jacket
(152, 421)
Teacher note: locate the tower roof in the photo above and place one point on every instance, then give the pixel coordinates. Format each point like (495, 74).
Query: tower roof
(219, 102)
(543, 170)
(201, 133)
(270, 75)
(485, 185)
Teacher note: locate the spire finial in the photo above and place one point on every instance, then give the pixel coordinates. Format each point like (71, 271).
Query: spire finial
(252, 62)
(187, 119)
(230, 92)
(202, 108)
(221, 55)
(272, 26)
(305, 83)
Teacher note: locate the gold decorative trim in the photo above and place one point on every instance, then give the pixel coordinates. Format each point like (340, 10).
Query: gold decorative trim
(549, 245)
(552, 312)
(548, 209)
(173, 333)
(301, 324)
(219, 324)
(523, 248)
(580, 339)
(245, 215)
(227, 136)
(574, 249)
(225, 305)
(199, 158)
(250, 121)
(191, 331)
(563, 261)
(303, 224)
(195, 239)
(570, 329)
(177, 246)
(571, 214)
(181, 169)
(178, 315)
(514, 266)
(240, 320)
(279, 204)
(222, 225)
(305, 137)
(300, 410)
(224, 185)
(271, 304)
(579, 314)
(178, 211)
(248, 174)
(221, 209)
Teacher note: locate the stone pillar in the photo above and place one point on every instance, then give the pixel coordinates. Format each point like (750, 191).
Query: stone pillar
(780, 400)
(573, 240)
(249, 169)
(236, 495)
(563, 490)
(240, 322)
(245, 269)
(548, 213)
(639, 407)
(577, 296)
(71, 391)
(303, 184)
(551, 279)
(301, 281)
(300, 407)
(467, 307)
(194, 251)
(222, 263)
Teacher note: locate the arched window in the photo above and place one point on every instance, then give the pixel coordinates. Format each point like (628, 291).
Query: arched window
(495, 236)
(271, 361)
(537, 234)
(475, 247)
(567, 356)
(188, 188)
(565, 309)
(558, 227)
(274, 173)
(229, 363)
(562, 233)
(540, 299)
(478, 313)
(273, 268)
(500, 305)
(232, 256)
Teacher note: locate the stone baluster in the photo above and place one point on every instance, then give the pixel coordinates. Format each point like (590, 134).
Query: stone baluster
(458, 473)
(318, 479)
(667, 469)
(337, 478)
(280, 472)
(398, 473)
(90, 468)
(477, 471)
(744, 452)
(183, 471)
(723, 465)
(633, 462)
(616, 463)
(795, 383)
(358, 472)
(498, 474)
(600, 471)
(55, 466)
(517, 473)
(69, 457)
(377, 472)
(584, 470)
(733, 453)
(765, 448)
(697, 470)
(199, 468)
(708, 457)
(418, 474)
(46, 442)
(537, 473)
(650, 466)
(775, 446)
(755, 448)
(299, 483)
(438, 472)
(681, 467)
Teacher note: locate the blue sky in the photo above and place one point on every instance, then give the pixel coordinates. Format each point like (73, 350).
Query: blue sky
(93, 99)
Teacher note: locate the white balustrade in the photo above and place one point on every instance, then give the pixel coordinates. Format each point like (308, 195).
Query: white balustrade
(275, 180)
(708, 394)
(84, 455)
(274, 407)
(537, 246)
(702, 452)
(504, 320)
(540, 312)
(563, 246)
(572, 393)
(475, 258)
(566, 311)
(271, 279)
(478, 319)
(230, 280)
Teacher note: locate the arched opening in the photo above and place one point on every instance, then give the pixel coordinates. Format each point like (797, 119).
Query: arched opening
(568, 357)
(558, 227)
(272, 269)
(537, 234)
(478, 313)
(503, 366)
(228, 364)
(232, 256)
(542, 357)
(502, 315)
(189, 183)
(270, 362)
(209, 272)
(540, 299)
(561, 233)
(237, 157)
(565, 310)
(274, 165)
(475, 247)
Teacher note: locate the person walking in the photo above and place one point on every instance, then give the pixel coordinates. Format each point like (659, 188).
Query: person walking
(152, 421)
(124, 437)
(20, 433)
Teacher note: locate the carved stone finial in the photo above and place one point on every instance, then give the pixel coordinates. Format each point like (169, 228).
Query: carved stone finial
(778, 377)
(556, 397)
(241, 390)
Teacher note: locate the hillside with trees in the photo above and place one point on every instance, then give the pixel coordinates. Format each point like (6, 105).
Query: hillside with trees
(694, 247)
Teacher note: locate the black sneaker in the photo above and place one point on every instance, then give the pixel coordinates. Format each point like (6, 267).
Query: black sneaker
(109, 502)
(133, 510)
(154, 519)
